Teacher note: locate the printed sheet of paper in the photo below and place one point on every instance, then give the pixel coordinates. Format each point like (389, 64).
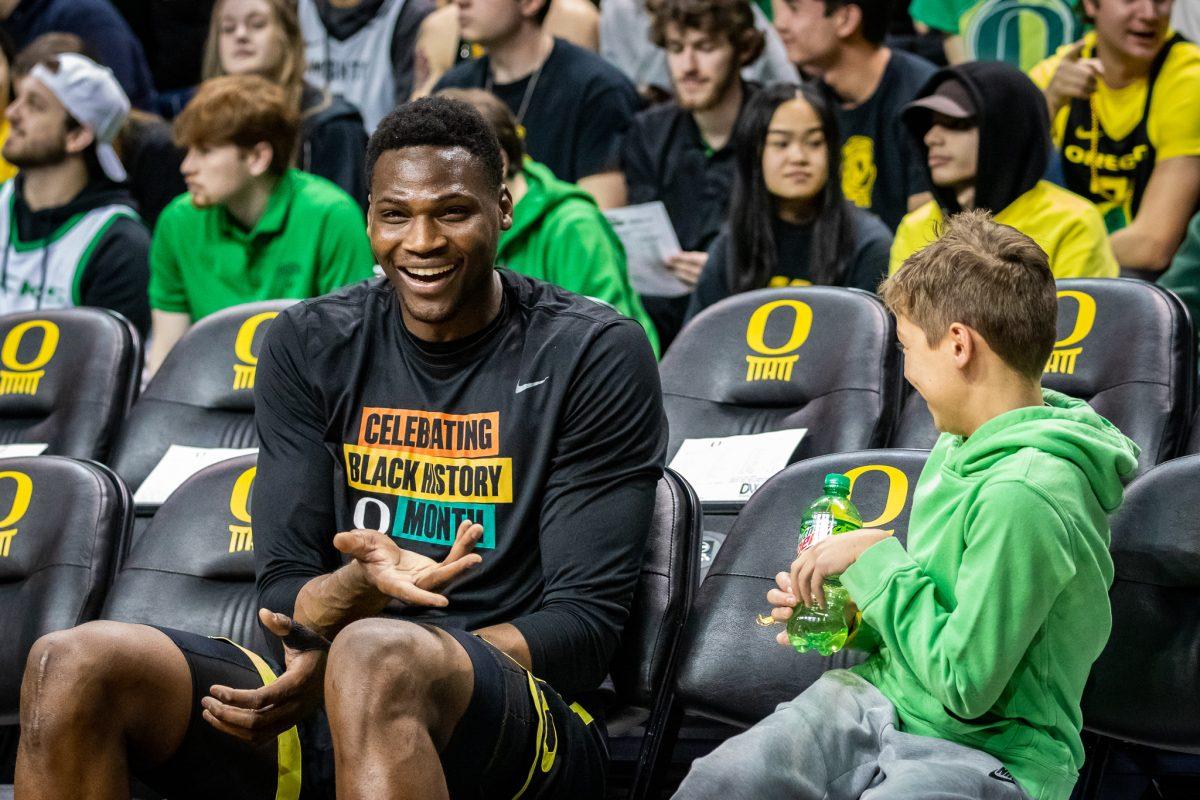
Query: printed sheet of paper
(646, 233)
(731, 468)
(21, 450)
(177, 465)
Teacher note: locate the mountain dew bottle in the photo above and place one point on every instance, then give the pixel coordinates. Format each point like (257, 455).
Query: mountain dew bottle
(814, 628)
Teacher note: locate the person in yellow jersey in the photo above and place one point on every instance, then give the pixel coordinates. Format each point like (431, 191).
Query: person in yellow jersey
(7, 53)
(1123, 104)
(983, 133)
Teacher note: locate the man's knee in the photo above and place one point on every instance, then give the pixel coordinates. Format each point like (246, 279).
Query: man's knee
(67, 676)
(406, 669)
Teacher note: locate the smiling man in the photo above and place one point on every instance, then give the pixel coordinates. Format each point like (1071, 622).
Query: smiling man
(1121, 101)
(250, 227)
(448, 408)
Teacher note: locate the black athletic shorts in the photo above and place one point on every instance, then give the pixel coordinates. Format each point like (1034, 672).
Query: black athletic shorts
(517, 738)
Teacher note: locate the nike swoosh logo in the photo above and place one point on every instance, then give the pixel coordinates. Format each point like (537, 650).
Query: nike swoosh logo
(523, 386)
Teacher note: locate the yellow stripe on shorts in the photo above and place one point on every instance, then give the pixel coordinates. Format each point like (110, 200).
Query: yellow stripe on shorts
(287, 787)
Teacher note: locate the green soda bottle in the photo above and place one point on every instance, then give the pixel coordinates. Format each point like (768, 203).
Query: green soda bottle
(814, 628)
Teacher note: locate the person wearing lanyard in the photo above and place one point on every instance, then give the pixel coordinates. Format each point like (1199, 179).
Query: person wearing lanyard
(573, 106)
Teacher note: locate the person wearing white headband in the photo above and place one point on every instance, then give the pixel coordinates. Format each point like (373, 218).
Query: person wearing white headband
(70, 232)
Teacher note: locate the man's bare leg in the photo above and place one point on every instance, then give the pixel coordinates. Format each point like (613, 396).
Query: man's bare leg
(395, 692)
(93, 698)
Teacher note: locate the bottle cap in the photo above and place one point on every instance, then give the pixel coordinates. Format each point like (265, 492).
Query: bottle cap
(838, 483)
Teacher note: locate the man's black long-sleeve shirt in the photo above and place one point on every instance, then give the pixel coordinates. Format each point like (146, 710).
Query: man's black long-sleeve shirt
(547, 427)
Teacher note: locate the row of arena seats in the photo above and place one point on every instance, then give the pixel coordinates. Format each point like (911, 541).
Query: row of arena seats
(826, 359)
(818, 358)
(69, 552)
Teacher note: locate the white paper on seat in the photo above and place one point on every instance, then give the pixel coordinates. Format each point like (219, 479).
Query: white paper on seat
(177, 465)
(645, 232)
(731, 468)
(21, 450)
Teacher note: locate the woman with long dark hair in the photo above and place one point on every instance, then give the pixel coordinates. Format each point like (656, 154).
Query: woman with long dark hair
(788, 222)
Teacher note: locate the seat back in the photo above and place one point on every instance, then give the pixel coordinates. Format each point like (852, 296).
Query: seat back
(67, 379)
(60, 523)
(663, 594)
(816, 357)
(1143, 688)
(192, 568)
(1124, 346)
(1193, 443)
(203, 395)
(731, 668)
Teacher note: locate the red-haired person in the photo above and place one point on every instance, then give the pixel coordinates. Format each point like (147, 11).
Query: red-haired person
(250, 227)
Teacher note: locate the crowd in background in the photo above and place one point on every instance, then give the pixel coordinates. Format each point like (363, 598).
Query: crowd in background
(171, 160)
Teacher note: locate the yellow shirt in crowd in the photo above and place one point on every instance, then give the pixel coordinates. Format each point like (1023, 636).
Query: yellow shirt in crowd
(1173, 124)
(1065, 225)
(7, 170)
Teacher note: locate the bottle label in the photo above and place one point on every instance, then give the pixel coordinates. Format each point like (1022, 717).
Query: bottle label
(821, 528)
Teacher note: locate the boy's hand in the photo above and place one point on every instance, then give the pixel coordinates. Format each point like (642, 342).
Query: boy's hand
(783, 602)
(829, 557)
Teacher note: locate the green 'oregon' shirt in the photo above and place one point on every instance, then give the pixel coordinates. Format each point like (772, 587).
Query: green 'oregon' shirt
(310, 240)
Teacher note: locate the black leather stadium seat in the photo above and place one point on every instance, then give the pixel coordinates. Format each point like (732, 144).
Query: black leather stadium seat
(1193, 443)
(730, 668)
(1144, 688)
(1124, 346)
(203, 395)
(193, 567)
(646, 661)
(67, 379)
(819, 358)
(60, 522)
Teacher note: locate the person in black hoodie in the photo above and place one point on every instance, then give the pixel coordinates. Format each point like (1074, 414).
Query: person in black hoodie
(98, 24)
(262, 37)
(71, 236)
(789, 224)
(983, 135)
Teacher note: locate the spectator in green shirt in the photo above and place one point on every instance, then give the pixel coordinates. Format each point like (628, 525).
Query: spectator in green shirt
(249, 228)
(558, 232)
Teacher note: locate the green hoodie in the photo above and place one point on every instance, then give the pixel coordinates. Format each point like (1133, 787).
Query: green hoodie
(559, 235)
(987, 626)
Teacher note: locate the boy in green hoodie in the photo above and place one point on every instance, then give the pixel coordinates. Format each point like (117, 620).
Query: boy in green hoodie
(558, 235)
(982, 632)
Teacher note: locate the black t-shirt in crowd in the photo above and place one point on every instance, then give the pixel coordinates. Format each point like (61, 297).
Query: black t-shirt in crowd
(880, 168)
(577, 113)
(665, 158)
(547, 427)
(867, 267)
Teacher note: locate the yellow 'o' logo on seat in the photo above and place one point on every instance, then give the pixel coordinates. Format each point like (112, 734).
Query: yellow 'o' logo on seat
(1062, 358)
(241, 536)
(20, 505)
(23, 377)
(897, 494)
(772, 364)
(243, 373)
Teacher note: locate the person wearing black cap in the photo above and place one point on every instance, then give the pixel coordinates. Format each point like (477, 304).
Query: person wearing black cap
(983, 133)
(71, 236)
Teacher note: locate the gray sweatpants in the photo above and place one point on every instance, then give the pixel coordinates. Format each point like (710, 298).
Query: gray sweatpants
(839, 740)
